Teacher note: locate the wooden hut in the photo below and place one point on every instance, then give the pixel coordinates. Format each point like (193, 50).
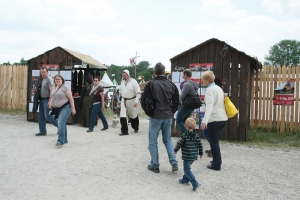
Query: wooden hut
(232, 65)
(63, 61)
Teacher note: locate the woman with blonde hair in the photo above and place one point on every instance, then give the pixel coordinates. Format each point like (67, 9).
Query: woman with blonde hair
(62, 105)
(215, 117)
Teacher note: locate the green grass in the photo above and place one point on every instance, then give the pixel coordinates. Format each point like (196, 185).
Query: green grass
(12, 112)
(273, 138)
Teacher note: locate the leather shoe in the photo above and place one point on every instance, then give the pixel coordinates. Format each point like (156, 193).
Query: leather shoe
(136, 131)
(89, 130)
(39, 134)
(209, 167)
(122, 134)
(103, 129)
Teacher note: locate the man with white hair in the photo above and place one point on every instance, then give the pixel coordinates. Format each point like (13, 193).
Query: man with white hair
(130, 94)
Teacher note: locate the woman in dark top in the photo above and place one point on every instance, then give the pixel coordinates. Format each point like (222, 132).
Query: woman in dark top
(97, 94)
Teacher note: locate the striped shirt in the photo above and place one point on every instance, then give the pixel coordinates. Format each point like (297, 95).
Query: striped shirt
(190, 144)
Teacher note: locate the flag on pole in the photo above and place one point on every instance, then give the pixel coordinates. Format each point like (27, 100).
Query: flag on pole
(132, 61)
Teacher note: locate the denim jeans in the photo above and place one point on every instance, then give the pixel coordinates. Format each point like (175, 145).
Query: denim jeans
(155, 125)
(44, 115)
(214, 130)
(206, 135)
(62, 124)
(188, 175)
(96, 110)
(182, 115)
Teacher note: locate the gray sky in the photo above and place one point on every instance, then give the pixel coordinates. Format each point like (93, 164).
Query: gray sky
(112, 31)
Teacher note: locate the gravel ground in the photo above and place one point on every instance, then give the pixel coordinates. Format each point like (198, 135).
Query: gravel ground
(103, 165)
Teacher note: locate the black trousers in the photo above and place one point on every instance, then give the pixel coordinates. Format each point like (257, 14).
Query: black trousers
(134, 124)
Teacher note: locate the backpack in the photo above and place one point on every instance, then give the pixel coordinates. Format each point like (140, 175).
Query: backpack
(149, 106)
(175, 99)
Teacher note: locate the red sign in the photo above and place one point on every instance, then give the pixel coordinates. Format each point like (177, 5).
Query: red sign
(51, 67)
(284, 99)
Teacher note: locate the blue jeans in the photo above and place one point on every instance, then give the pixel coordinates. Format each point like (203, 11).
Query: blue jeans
(97, 111)
(155, 125)
(206, 135)
(44, 115)
(214, 130)
(62, 124)
(182, 115)
(188, 175)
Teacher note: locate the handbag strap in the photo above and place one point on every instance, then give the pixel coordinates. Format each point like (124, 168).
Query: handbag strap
(194, 87)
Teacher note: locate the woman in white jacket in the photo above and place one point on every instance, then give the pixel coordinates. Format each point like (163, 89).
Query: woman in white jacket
(215, 117)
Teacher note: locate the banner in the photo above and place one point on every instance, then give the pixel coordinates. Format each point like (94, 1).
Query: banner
(132, 61)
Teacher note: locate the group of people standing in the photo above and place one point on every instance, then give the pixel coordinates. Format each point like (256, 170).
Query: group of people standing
(59, 96)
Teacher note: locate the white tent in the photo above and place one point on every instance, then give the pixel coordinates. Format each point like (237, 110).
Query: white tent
(116, 84)
(106, 83)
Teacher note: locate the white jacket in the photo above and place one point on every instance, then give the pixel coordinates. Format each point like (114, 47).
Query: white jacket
(215, 108)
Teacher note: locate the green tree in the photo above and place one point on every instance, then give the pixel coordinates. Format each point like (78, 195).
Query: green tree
(284, 53)
(147, 74)
(6, 63)
(142, 69)
(22, 62)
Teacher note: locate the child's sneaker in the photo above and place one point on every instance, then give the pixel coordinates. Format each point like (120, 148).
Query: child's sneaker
(195, 187)
(184, 182)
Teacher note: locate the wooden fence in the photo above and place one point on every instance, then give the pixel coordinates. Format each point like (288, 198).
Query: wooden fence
(262, 112)
(13, 87)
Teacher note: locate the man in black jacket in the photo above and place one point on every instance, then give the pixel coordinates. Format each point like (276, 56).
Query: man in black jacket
(164, 93)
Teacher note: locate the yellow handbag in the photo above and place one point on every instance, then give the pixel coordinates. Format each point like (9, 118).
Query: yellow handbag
(231, 110)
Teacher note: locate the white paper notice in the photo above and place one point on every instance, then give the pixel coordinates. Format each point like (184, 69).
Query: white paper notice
(35, 72)
(63, 74)
(196, 75)
(68, 75)
(68, 83)
(180, 76)
(53, 73)
(30, 107)
(175, 77)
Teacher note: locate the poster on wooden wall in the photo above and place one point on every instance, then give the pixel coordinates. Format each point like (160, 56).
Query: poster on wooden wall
(284, 94)
(51, 67)
(197, 70)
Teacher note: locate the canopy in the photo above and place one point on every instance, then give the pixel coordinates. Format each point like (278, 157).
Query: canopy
(106, 82)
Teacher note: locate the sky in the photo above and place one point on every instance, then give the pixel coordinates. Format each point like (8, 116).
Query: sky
(113, 31)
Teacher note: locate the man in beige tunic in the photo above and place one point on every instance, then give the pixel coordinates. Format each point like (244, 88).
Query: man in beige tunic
(130, 94)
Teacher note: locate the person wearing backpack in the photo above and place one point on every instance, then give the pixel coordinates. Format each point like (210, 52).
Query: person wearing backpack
(165, 98)
(189, 89)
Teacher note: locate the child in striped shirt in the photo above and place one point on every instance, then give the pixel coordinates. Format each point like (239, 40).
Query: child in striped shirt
(191, 146)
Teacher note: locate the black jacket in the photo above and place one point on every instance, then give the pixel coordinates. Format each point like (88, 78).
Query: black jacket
(164, 93)
(37, 96)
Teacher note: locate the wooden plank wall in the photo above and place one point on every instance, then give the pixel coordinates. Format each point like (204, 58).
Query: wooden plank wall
(234, 95)
(14, 96)
(56, 56)
(240, 82)
(265, 114)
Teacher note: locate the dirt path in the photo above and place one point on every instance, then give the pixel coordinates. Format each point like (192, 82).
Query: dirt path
(103, 165)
